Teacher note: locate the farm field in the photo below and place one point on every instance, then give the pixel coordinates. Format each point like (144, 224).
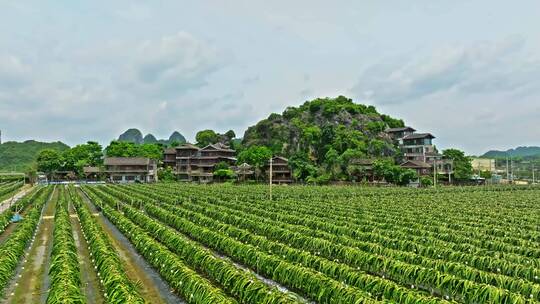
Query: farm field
(181, 243)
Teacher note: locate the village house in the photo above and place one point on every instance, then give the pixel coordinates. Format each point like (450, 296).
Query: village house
(398, 133)
(419, 153)
(281, 172)
(130, 169)
(197, 164)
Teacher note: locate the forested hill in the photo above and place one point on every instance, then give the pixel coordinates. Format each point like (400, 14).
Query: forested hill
(325, 131)
(517, 152)
(20, 156)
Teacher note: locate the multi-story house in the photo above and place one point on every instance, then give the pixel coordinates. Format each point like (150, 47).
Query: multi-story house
(398, 133)
(419, 152)
(281, 172)
(197, 164)
(130, 169)
(169, 158)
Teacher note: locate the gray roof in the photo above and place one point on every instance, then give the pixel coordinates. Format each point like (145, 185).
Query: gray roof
(416, 164)
(91, 169)
(219, 147)
(188, 147)
(392, 130)
(169, 151)
(133, 161)
(418, 136)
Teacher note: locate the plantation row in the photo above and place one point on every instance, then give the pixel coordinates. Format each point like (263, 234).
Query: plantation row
(350, 241)
(9, 188)
(230, 244)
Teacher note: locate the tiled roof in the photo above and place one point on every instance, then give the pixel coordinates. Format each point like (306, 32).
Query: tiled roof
(391, 130)
(418, 136)
(415, 164)
(188, 147)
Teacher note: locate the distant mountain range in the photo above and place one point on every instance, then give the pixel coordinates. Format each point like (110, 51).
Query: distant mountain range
(517, 152)
(135, 136)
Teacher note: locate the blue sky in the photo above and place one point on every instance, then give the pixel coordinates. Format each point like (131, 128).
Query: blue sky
(466, 71)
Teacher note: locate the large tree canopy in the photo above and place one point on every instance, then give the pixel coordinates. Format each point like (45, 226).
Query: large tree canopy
(49, 160)
(129, 149)
(462, 163)
(206, 137)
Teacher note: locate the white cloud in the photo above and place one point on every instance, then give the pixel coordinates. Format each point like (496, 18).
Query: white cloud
(13, 72)
(474, 97)
(482, 67)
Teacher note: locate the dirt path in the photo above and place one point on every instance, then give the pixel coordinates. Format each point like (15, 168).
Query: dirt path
(89, 280)
(152, 287)
(13, 199)
(32, 281)
(11, 227)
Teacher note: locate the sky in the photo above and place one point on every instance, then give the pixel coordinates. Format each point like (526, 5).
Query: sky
(466, 71)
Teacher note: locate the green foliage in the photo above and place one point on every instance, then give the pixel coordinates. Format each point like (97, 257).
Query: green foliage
(121, 149)
(230, 134)
(206, 137)
(257, 156)
(391, 173)
(49, 160)
(64, 268)
(302, 167)
(128, 149)
(322, 132)
(118, 288)
(486, 174)
(21, 156)
(221, 166)
(224, 174)
(166, 175)
(327, 242)
(462, 164)
(393, 122)
(13, 247)
(426, 181)
(80, 156)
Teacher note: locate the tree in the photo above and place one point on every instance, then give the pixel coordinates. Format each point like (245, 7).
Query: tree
(166, 175)
(206, 137)
(222, 171)
(48, 161)
(257, 156)
(393, 173)
(80, 156)
(120, 149)
(230, 135)
(153, 151)
(302, 166)
(129, 149)
(462, 163)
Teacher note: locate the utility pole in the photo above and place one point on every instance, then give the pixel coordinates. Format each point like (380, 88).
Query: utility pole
(271, 163)
(533, 172)
(435, 172)
(450, 173)
(512, 169)
(507, 176)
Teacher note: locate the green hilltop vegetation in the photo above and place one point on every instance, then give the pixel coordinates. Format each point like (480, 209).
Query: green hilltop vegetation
(21, 156)
(324, 137)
